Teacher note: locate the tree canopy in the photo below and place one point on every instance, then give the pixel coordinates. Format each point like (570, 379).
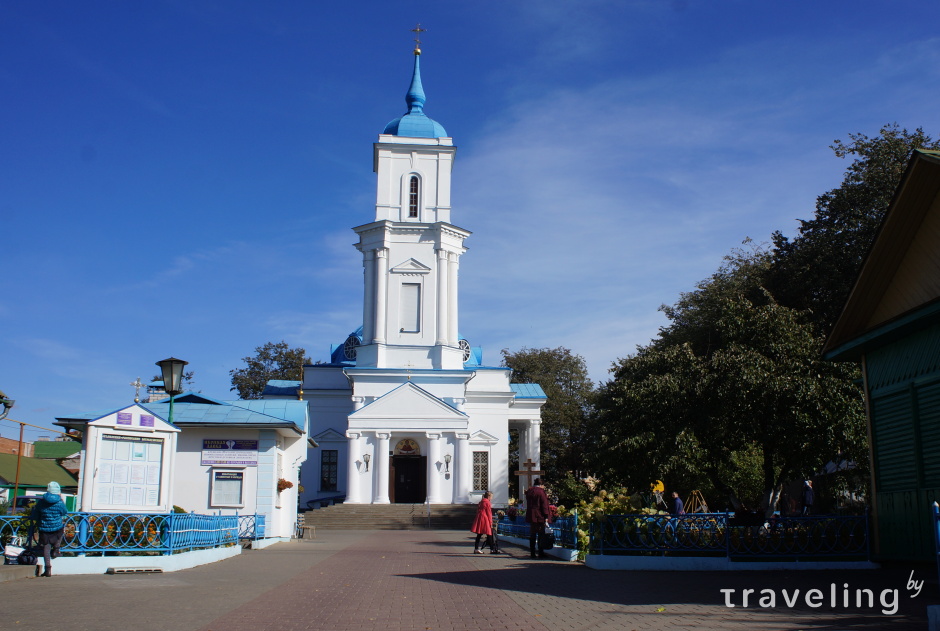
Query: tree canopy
(733, 391)
(815, 270)
(271, 361)
(732, 394)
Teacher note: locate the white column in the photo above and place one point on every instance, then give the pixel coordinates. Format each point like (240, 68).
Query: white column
(523, 445)
(353, 492)
(442, 299)
(535, 442)
(434, 474)
(452, 332)
(381, 294)
(464, 467)
(381, 469)
(368, 304)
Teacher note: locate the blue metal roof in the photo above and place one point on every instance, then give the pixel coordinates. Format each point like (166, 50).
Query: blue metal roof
(415, 123)
(528, 391)
(282, 387)
(195, 409)
(274, 412)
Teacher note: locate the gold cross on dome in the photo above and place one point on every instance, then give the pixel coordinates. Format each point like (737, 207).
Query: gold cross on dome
(417, 30)
(137, 386)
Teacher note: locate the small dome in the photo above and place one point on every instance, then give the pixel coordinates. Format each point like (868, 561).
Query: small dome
(415, 126)
(415, 123)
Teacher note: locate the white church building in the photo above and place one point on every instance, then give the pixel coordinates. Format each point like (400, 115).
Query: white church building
(404, 411)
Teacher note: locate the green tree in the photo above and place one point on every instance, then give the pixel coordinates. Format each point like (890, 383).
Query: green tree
(815, 270)
(564, 378)
(732, 393)
(271, 361)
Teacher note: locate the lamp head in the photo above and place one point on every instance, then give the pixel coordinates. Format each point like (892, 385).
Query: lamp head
(172, 370)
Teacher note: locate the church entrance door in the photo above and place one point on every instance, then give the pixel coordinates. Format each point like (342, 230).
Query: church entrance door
(409, 479)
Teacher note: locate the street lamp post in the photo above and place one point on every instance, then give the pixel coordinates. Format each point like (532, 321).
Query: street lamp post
(172, 370)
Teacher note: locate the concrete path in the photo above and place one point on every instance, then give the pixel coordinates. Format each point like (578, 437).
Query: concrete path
(397, 580)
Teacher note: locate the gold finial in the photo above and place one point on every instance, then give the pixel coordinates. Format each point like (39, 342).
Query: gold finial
(417, 30)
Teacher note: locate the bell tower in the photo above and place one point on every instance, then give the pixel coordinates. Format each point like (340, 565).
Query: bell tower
(411, 252)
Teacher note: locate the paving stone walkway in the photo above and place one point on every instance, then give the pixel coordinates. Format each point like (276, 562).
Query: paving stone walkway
(412, 580)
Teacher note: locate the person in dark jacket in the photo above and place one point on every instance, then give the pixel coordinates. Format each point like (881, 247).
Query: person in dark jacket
(806, 497)
(48, 514)
(677, 508)
(536, 515)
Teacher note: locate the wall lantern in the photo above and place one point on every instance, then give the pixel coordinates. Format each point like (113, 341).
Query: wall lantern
(366, 458)
(447, 458)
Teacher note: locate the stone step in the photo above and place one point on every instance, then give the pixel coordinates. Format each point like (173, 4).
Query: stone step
(391, 516)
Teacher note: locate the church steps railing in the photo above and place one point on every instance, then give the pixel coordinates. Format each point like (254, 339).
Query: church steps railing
(142, 533)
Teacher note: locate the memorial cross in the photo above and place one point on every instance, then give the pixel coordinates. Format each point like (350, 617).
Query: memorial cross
(528, 465)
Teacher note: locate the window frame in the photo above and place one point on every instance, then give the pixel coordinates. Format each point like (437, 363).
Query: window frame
(335, 466)
(414, 197)
(213, 500)
(486, 474)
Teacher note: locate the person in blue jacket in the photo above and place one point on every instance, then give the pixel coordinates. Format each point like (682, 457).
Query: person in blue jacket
(677, 507)
(48, 514)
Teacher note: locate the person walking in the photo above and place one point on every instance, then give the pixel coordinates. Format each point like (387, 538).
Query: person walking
(537, 516)
(677, 507)
(48, 513)
(806, 497)
(483, 525)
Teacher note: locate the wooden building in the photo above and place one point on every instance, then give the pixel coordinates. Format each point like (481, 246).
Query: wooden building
(891, 324)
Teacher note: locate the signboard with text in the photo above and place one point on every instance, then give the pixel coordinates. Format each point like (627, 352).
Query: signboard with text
(230, 452)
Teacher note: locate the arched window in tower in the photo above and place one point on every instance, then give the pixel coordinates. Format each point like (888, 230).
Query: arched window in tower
(413, 197)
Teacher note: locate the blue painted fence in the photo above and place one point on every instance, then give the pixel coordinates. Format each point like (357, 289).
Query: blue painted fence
(716, 534)
(565, 529)
(131, 532)
(720, 534)
(936, 533)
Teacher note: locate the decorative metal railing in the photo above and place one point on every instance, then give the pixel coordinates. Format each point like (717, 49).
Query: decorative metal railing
(565, 529)
(251, 526)
(142, 533)
(721, 534)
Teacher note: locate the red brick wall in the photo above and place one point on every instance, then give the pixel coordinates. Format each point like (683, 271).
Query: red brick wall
(9, 446)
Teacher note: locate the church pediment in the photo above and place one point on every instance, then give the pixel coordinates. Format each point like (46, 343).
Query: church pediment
(482, 438)
(408, 407)
(330, 436)
(411, 266)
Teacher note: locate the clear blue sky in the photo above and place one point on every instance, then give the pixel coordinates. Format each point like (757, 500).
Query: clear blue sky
(180, 177)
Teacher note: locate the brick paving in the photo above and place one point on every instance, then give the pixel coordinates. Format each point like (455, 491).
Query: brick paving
(404, 580)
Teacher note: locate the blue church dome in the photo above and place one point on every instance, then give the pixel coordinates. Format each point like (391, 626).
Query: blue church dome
(415, 123)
